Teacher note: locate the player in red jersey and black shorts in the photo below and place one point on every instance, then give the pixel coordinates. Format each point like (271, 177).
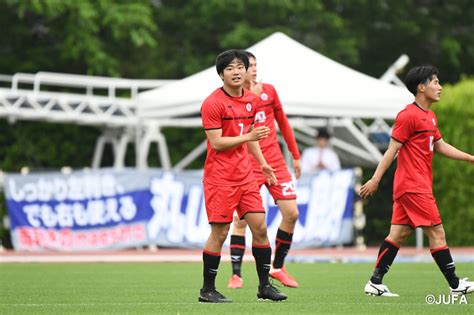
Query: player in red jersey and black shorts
(228, 116)
(415, 137)
(270, 109)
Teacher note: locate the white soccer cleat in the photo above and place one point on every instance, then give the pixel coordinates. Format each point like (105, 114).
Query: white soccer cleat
(464, 287)
(378, 290)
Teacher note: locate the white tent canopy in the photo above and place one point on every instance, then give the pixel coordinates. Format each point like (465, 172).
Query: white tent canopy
(315, 91)
(309, 85)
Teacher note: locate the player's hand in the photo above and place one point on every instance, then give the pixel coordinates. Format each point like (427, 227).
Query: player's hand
(369, 188)
(259, 133)
(297, 168)
(256, 87)
(268, 171)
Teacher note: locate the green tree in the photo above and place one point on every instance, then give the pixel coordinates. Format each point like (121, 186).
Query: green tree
(430, 31)
(454, 180)
(85, 37)
(191, 33)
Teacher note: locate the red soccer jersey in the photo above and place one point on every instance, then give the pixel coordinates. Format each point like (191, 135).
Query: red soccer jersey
(269, 108)
(234, 115)
(417, 129)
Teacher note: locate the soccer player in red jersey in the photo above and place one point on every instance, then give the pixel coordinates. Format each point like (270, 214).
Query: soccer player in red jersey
(415, 137)
(229, 184)
(270, 109)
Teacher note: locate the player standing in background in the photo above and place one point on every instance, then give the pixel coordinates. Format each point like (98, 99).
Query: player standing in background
(229, 184)
(415, 138)
(270, 109)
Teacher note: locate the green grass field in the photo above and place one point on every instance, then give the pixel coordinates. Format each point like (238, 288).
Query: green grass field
(172, 288)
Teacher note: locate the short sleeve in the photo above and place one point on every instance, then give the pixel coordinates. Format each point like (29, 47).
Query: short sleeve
(404, 127)
(437, 134)
(211, 115)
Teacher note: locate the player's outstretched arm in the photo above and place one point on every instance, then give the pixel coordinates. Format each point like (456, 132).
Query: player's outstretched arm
(297, 168)
(371, 186)
(287, 133)
(451, 152)
(267, 170)
(220, 143)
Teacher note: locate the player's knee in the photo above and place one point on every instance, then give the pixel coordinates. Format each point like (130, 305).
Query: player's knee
(240, 224)
(439, 238)
(260, 231)
(399, 237)
(404, 235)
(291, 216)
(220, 234)
(260, 236)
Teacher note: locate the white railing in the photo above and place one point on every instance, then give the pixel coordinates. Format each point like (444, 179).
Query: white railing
(94, 101)
(89, 83)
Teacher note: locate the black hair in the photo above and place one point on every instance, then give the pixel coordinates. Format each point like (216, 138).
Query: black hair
(226, 57)
(419, 75)
(250, 55)
(323, 133)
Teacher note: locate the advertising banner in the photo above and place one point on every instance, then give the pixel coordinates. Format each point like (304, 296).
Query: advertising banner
(110, 209)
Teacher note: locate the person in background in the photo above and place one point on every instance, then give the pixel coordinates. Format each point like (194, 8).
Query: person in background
(321, 156)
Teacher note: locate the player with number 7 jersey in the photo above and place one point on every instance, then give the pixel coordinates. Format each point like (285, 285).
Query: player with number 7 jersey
(229, 185)
(235, 116)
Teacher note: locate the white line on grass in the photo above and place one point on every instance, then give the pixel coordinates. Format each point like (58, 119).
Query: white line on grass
(194, 303)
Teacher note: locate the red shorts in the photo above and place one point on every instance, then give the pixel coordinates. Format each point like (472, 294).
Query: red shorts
(222, 201)
(285, 189)
(415, 210)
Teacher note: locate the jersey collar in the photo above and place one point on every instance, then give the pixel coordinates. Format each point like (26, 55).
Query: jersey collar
(418, 105)
(243, 91)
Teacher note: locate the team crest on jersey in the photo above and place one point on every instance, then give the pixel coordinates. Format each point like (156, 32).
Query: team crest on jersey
(434, 122)
(248, 107)
(264, 96)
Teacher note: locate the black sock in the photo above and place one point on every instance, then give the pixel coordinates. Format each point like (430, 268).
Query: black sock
(387, 253)
(282, 246)
(263, 257)
(211, 265)
(445, 262)
(237, 250)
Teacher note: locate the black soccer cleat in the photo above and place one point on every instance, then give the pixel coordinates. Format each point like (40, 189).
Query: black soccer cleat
(269, 292)
(212, 296)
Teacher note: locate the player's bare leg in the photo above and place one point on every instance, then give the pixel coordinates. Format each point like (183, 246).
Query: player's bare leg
(211, 257)
(262, 253)
(442, 256)
(237, 250)
(284, 237)
(387, 253)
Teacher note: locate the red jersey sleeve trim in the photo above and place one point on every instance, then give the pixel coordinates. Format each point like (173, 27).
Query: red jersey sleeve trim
(397, 139)
(438, 139)
(213, 128)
